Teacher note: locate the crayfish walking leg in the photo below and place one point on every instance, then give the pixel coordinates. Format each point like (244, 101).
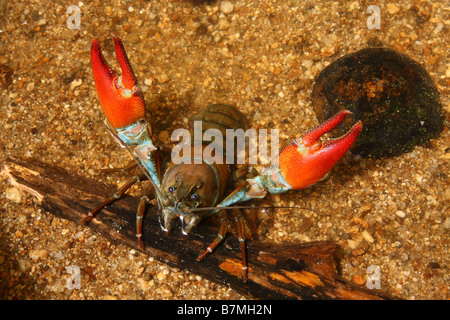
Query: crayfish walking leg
(224, 223)
(119, 194)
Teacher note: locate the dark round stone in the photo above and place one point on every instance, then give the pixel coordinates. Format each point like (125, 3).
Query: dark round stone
(393, 96)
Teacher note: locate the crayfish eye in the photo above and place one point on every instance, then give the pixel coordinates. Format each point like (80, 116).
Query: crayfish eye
(171, 189)
(194, 197)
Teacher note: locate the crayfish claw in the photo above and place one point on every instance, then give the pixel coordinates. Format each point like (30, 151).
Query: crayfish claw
(120, 96)
(306, 160)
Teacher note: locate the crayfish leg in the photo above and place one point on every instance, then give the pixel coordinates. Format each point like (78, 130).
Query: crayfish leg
(117, 195)
(125, 169)
(241, 236)
(220, 237)
(140, 218)
(224, 222)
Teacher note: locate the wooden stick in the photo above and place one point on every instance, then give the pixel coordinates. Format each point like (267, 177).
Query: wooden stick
(294, 271)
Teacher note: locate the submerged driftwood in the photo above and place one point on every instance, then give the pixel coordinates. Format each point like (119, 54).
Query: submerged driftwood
(300, 271)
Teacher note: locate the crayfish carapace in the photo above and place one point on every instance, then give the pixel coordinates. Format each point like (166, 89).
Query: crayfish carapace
(186, 188)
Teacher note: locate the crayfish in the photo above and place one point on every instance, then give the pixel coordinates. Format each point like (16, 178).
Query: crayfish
(192, 191)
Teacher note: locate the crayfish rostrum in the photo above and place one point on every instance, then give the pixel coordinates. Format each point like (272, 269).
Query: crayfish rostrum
(186, 188)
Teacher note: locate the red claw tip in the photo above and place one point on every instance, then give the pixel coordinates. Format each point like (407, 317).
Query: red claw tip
(119, 96)
(128, 77)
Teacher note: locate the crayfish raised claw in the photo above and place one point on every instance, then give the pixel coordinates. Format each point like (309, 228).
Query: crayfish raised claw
(188, 187)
